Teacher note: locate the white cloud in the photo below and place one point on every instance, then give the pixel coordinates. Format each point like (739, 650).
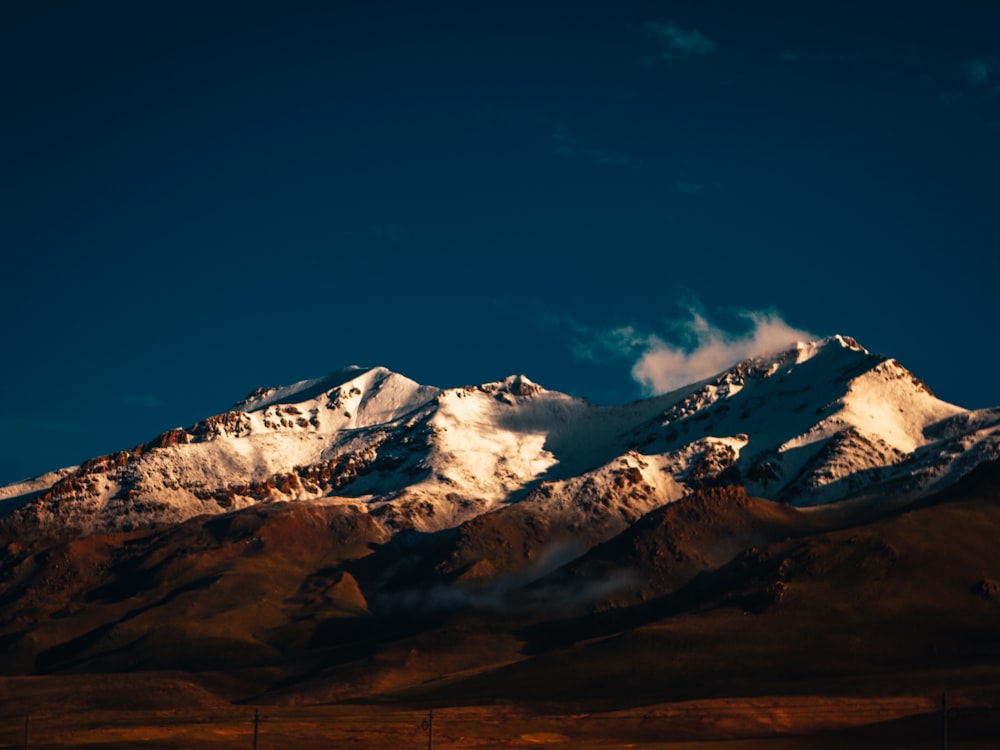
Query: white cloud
(679, 42)
(663, 366)
(704, 349)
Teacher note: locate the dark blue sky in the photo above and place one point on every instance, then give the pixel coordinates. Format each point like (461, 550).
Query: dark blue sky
(201, 198)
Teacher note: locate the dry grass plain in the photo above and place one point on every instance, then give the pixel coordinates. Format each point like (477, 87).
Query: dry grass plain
(80, 711)
(783, 723)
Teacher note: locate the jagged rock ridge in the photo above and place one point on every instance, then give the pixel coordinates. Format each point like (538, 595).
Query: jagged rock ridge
(822, 422)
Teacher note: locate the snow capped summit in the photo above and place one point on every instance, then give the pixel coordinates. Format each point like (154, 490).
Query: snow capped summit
(817, 423)
(516, 385)
(376, 392)
(263, 397)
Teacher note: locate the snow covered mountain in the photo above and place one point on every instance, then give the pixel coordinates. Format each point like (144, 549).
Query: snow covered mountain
(823, 422)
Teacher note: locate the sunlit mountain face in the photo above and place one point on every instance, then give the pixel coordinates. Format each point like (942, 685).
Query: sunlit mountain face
(815, 516)
(822, 422)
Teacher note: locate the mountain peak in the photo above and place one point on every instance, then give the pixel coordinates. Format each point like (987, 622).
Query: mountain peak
(516, 385)
(306, 390)
(837, 343)
(845, 342)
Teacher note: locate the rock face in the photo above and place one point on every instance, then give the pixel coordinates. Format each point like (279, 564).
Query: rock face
(364, 536)
(819, 423)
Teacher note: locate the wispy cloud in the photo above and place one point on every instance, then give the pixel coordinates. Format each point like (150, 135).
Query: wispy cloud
(141, 401)
(678, 43)
(14, 426)
(970, 82)
(690, 348)
(696, 188)
(567, 145)
(687, 188)
(664, 366)
(571, 146)
(979, 71)
(388, 232)
(595, 345)
(610, 159)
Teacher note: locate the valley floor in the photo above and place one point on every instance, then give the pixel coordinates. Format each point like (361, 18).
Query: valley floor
(76, 712)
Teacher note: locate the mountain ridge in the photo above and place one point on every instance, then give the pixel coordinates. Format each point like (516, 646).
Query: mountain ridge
(823, 421)
(399, 543)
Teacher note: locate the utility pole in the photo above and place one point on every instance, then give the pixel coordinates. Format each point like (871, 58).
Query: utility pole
(256, 726)
(430, 730)
(944, 722)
